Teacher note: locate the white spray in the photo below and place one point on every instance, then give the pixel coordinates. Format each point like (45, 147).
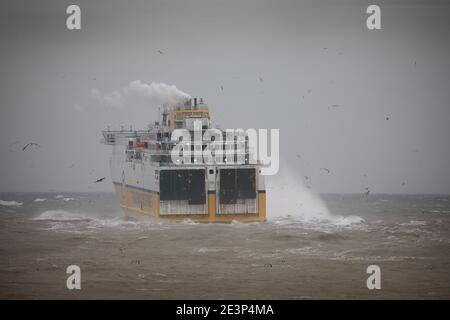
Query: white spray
(287, 196)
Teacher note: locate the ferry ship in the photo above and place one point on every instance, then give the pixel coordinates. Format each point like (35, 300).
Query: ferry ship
(150, 185)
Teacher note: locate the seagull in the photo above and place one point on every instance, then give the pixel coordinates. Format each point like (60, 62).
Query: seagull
(387, 118)
(30, 144)
(260, 78)
(221, 87)
(100, 180)
(325, 169)
(403, 183)
(160, 52)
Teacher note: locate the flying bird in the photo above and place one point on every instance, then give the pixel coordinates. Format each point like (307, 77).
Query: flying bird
(260, 78)
(30, 144)
(160, 52)
(325, 169)
(100, 180)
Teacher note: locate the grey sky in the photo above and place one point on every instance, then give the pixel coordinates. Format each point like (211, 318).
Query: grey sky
(401, 72)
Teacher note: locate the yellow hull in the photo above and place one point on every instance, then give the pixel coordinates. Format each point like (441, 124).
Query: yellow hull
(144, 205)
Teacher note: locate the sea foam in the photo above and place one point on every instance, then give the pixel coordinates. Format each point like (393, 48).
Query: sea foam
(10, 203)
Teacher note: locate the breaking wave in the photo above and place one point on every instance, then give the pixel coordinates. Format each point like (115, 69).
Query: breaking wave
(10, 203)
(62, 220)
(289, 201)
(61, 215)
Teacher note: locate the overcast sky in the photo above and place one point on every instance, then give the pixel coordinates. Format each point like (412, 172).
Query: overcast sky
(310, 68)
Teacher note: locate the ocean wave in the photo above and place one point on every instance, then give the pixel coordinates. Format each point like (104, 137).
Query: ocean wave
(348, 220)
(89, 222)
(327, 224)
(39, 200)
(414, 223)
(207, 250)
(61, 215)
(10, 203)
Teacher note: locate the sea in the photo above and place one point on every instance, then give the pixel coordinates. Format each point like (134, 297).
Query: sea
(290, 256)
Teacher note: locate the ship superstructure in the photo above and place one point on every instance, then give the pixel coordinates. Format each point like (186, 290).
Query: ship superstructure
(149, 184)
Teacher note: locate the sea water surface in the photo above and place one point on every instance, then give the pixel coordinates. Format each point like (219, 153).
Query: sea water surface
(287, 257)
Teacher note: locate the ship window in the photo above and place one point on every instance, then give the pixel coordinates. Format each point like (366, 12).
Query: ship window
(178, 124)
(211, 171)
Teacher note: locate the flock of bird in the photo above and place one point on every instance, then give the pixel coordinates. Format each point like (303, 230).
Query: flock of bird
(30, 145)
(36, 145)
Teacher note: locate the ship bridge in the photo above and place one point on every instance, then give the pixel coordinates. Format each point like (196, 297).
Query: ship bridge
(184, 115)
